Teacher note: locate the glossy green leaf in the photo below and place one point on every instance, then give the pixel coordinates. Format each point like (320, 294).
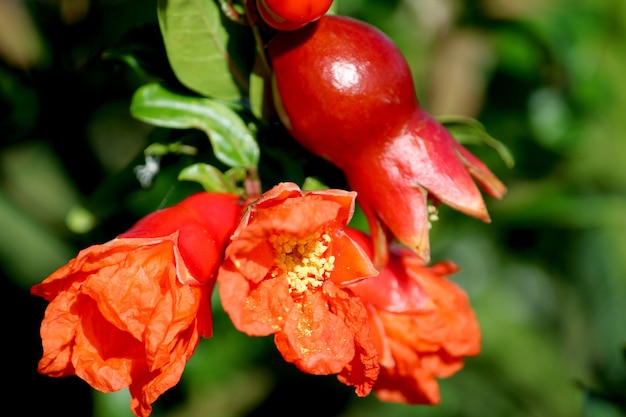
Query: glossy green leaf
(211, 178)
(232, 141)
(312, 183)
(467, 130)
(258, 94)
(596, 406)
(198, 41)
(160, 149)
(22, 234)
(235, 175)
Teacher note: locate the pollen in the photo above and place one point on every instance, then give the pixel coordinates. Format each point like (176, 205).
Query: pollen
(304, 261)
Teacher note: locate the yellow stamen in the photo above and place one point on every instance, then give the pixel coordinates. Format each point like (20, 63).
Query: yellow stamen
(433, 215)
(303, 260)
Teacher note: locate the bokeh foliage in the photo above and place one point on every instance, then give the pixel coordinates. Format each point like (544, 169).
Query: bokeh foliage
(547, 277)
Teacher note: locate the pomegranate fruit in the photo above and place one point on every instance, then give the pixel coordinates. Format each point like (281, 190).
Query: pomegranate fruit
(344, 91)
(291, 14)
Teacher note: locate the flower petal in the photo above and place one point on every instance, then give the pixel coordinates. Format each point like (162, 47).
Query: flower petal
(362, 371)
(148, 386)
(127, 292)
(314, 339)
(103, 355)
(257, 309)
(351, 262)
(394, 289)
(57, 332)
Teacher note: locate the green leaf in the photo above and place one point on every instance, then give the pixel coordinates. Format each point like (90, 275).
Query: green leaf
(312, 183)
(160, 149)
(209, 54)
(258, 94)
(467, 130)
(22, 234)
(236, 174)
(211, 178)
(597, 406)
(232, 141)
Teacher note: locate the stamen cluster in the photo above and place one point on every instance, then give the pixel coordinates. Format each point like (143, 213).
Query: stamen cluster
(304, 261)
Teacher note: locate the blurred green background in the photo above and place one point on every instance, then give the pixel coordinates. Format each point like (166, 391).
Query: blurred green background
(547, 277)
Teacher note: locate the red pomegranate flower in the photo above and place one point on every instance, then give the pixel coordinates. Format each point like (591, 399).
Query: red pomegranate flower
(129, 313)
(422, 324)
(285, 274)
(344, 91)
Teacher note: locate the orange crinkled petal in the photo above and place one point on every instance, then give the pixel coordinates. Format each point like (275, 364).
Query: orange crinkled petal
(422, 323)
(57, 330)
(255, 309)
(362, 371)
(429, 345)
(120, 317)
(314, 339)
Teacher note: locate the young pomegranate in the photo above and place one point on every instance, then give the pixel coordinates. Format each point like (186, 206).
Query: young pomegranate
(291, 14)
(345, 92)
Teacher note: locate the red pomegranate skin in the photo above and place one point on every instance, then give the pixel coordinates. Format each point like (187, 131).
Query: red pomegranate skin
(337, 78)
(345, 92)
(291, 14)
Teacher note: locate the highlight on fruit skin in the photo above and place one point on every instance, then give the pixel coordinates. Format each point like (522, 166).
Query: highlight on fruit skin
(290, 15)
(345, 92)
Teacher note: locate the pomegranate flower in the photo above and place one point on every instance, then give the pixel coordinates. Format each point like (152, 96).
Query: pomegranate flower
(285, 273)
(422, 324)
(345, 92)
(129, 313)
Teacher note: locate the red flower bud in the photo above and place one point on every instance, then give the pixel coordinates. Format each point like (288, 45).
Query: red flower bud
(345, 92)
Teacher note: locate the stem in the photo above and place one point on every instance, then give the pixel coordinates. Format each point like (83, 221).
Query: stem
(258, 39)
(252, 183)
(230, 12)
